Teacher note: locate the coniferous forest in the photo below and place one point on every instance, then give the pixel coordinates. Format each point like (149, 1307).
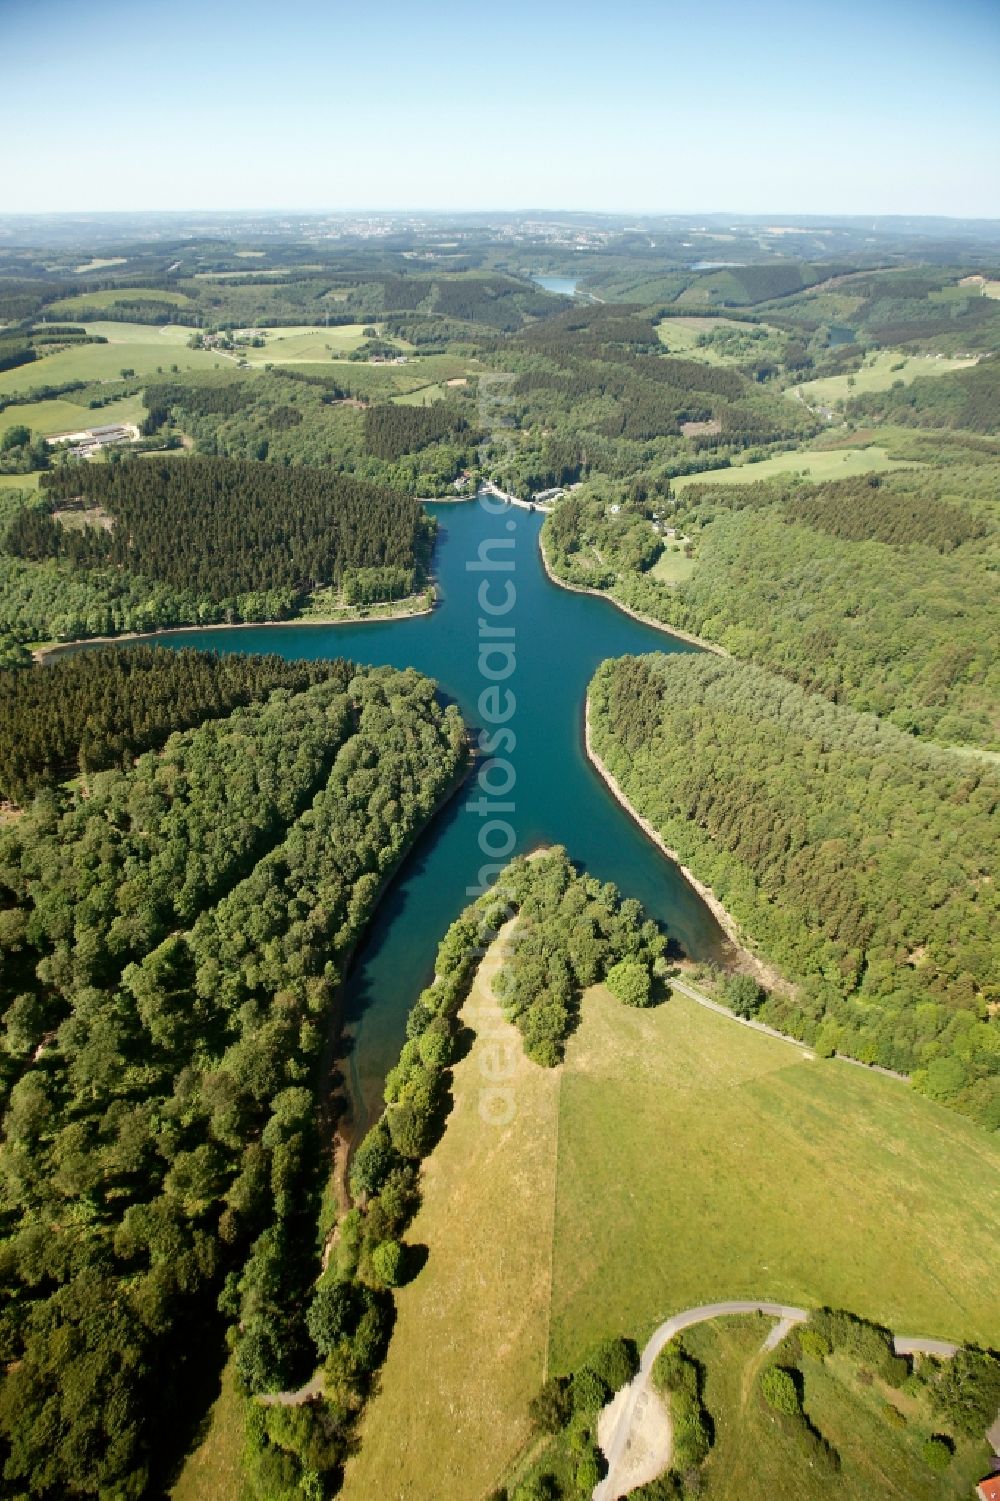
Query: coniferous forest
(101, 708)
(224, 528)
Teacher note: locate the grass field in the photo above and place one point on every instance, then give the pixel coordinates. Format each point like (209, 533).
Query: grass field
(99, 362)
(468, 1350)
(815, 464)
(308, 344)
(755, 1458)
(100, 263)
(49, 417)
(159, 335)
(20, 481)
(698, 1161)
(419, 377)
(680, 335)
(878, 373)
(112, 295)
(424, 395)
(214, 1468)
(688, 1159)
(673, 567)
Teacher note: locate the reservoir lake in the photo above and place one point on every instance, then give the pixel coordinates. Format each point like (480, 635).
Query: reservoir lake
(559, 638)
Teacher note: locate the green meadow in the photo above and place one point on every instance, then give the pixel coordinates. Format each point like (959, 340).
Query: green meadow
(62, 416)
(157, 335)
(680, 336)
(699, 1160)
(815, 464)
(308, 344)
(757, 1458)
(673, 567)
(674, 1159)
(111, 296)
(214, 1468)
(878, 373)
(152, 353)
(100, 263)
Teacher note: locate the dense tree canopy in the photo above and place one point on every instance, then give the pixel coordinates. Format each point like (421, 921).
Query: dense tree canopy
(862, 862)
(100, 708)
(224, 528)
(967, 399)
(898, 572)
(392, 430)
(170, 944)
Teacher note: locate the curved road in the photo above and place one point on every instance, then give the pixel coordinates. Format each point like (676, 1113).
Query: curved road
(615, 1482)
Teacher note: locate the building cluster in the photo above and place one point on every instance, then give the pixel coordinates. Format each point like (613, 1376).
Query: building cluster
(91, 440)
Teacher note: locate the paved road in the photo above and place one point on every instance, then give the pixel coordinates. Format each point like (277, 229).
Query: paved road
(313, 1388)
(614, 1482)
(677, 982)
(914, 1344)
(608, 1489)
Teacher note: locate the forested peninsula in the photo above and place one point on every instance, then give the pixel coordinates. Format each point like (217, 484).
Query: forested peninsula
(136, 545)
(172, 937)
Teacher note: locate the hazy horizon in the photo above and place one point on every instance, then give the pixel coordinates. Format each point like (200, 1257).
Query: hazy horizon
(888, 110)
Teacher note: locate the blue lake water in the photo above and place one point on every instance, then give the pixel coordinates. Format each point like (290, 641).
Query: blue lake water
(564, 284)
(559, 639)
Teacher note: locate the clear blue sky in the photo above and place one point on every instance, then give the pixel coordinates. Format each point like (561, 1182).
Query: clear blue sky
(887, 106)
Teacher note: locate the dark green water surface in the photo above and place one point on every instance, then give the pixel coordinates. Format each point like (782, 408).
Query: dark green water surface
(559, 639)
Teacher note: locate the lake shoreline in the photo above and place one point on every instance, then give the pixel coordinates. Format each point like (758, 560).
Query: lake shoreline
(42, 655)
(340, 1126)
(656, 625)
(727, 922)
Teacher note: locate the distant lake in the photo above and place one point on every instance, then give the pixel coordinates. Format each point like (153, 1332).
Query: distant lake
(840, 334)
(564, 284)
(713, 265)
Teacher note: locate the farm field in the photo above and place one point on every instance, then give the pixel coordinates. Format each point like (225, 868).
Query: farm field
(423, 395)
(308, 344)
(286, 273)
(109, 296)
(816, 463)
(159, 334)
(878, 373)
(100, 263)
(476, 1315)
(419, 376)
(61, 416)
(755, 1459)
(680, 335)
(97, 362)
(688, 1159)
(699, 1160)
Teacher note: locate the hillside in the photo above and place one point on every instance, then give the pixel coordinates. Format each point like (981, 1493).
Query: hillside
(860, 862)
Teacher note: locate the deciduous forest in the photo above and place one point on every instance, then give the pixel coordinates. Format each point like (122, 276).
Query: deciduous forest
(172, 943)
(861, 862)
